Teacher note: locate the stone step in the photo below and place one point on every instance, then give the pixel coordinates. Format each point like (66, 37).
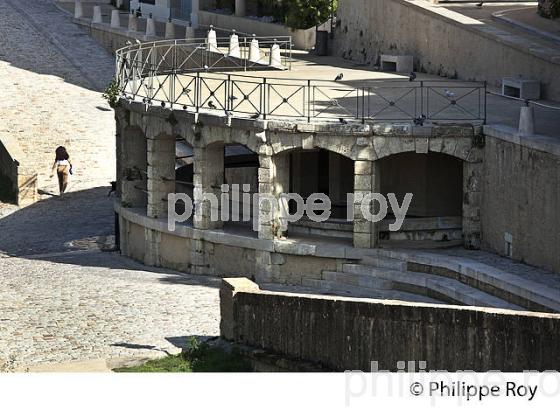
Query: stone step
(514, 288)
(383, 262)
(446, 289)
(441, 288)
(356, 279)
(328, 287)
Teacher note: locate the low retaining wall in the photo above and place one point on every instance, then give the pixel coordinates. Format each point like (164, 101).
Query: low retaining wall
(348, 334)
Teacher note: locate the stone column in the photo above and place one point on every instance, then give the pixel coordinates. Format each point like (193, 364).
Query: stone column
(266, 187)
(280, 185)
(208, 178)
(240, 8)
(472, 174)
(194, 13)
(132, 169)
(161, 173)
(366, 181)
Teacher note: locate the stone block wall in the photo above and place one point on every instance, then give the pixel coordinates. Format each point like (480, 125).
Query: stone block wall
(521, 202)
(348, 334)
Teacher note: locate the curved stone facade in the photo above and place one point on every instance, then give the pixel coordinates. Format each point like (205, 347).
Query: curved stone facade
(146, 174)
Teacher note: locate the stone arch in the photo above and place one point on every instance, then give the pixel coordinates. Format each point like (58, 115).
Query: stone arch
(325, 142)
(462, 148)
(441, 183)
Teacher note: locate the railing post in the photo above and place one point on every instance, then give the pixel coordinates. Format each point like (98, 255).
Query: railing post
(308, 100)
(485, 96)
(229, 103)
(422, 100)
(197, 93)
(363, 105)
(264, 101)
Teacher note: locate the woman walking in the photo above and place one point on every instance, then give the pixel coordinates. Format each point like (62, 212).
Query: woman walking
(63, 168)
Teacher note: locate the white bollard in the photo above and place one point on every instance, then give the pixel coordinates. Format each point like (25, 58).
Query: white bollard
(189, 32)
(254, 52)
(150, 27)
(97, 15)
(132, 21)
(169, 29)
(78, 9)
(275, 58)
(212, 41)
(115, 19)
(234, 46)
(527, 120)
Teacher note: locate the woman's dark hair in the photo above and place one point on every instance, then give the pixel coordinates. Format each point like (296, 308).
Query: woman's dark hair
(61, 154)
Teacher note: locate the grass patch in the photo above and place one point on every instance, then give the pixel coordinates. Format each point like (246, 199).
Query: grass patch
(196, 358)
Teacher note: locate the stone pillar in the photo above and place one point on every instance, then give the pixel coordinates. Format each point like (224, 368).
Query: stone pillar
(115, 19)
(194, 13)
(472, 174)
(132, 22)
(132, 170)
(78, 9)
(234, 46)
(97, 15)
(266, 230)
(366, 181)
(240, 8)
(150, 27)
(275, 59)
(189, 32)
(527, 121)
(280, 185)
(161, 173)
(208, 178)
(254, 52)
(169, 30)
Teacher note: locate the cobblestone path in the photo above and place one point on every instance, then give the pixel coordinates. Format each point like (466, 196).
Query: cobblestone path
(51, 77)
(62, 298)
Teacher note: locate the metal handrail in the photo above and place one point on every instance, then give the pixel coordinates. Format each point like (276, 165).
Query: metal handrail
(191, 75)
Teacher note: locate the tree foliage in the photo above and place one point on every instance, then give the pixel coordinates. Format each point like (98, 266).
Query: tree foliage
(303, 14)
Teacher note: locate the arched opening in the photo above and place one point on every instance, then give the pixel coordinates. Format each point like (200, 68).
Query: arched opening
(435, 212)
(325, 172)
(184, 170)
(132, 168)
(241, 167)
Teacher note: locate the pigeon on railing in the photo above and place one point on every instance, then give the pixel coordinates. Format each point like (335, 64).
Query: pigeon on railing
(449, 94)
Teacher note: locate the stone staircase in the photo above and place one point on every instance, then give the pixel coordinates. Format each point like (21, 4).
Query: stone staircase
(388, 278)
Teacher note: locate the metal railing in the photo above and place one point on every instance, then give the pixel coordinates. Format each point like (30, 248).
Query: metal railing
(191, 75)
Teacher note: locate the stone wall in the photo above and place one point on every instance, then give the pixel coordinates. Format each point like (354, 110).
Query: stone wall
(442, 42)
(18, 182)
(521, 200)
(348, 334)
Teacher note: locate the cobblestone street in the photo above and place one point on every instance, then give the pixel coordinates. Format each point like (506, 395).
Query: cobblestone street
(63, 299)
(92, 305)
(51, 77)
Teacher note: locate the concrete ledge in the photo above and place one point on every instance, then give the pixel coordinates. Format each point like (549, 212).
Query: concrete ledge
(538, 142)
